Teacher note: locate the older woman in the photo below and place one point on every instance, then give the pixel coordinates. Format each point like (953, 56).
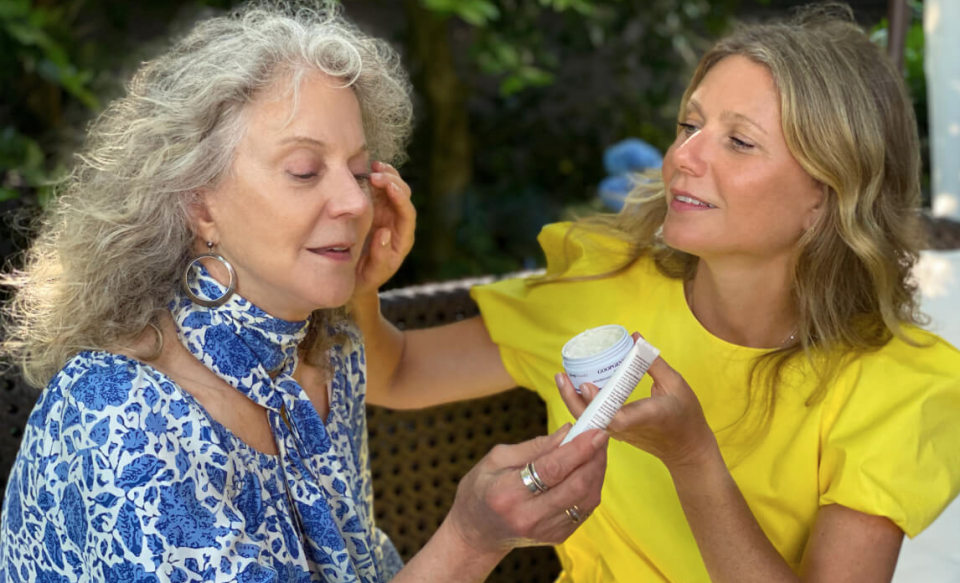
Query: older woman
(805, 422)
(203, 416)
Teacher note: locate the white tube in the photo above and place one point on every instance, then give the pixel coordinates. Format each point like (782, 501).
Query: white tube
(605, 405)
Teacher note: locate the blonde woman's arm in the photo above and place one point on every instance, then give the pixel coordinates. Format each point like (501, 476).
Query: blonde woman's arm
(422, 368)
(416, 369)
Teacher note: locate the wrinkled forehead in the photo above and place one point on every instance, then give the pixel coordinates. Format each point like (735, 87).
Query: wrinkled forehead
(285, 91)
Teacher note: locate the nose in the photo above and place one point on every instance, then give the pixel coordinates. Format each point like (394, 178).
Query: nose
(349, 198)
(690, 156)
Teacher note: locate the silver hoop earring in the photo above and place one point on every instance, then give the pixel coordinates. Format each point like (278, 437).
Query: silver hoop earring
(159, 348)
(231, 287)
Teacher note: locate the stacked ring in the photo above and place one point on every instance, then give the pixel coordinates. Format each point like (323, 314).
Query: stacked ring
(536, 478)
(574, 513)
(531, 480)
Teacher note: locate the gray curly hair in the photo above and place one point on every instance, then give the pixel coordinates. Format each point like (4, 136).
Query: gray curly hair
(108, 254)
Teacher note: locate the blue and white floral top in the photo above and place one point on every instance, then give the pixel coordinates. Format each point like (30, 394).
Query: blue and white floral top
(123, 476)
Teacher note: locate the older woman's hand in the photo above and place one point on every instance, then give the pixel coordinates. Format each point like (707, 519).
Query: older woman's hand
(392, 231)
(668, 424)
(495, 511)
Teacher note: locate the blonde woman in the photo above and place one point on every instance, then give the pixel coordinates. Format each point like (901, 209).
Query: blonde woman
(804, 422)
(203, 411)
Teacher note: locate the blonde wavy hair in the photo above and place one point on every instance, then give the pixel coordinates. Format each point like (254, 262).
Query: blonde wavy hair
(109, 252)
(849, 123)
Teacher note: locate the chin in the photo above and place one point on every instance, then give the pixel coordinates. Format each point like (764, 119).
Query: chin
(333, 297)
(682, 241)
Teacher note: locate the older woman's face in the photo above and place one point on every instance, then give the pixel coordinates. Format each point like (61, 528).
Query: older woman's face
(733, 187)
(293, 214)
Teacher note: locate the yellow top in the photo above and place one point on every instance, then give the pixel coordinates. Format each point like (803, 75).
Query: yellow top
(885, 439)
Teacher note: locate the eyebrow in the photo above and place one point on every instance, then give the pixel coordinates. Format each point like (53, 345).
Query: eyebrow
(727, 114)
(320, 145)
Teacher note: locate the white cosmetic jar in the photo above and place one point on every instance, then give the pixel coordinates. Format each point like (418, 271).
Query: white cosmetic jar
(593, 355)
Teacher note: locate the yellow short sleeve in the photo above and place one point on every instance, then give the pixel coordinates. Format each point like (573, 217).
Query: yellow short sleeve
(529, 322)
(891, 435)
(509, 324)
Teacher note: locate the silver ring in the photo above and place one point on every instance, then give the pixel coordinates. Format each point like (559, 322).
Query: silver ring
(531, 480)
(527, 478)
(231, 287)
(574, 513)
(536, 478)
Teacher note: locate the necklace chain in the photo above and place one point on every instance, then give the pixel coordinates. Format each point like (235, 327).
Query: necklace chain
(688, 295)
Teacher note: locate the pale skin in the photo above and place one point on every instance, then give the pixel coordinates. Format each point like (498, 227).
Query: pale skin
(293, 216)
(731, 154)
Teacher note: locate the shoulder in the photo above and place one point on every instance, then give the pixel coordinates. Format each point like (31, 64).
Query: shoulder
(902, 381)
(115, 403)
(100, 380)
(573, 251)
(925, 357)
(890, 432)
(103, 383)
(580, 261)
(88, 387)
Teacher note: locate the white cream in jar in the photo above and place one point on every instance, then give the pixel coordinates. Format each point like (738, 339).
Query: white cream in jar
(594, 354)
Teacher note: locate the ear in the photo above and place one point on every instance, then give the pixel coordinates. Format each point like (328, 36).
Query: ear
(201, 217)
(820, 203)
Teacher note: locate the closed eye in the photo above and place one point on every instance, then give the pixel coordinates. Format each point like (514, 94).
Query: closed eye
(740, 144)
(363, 180)
(304, 177)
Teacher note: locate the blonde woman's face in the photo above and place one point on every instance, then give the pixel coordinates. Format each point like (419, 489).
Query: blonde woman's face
(733, 188)
(293, 215)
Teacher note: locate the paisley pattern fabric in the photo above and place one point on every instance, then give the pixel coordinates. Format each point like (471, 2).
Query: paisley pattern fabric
(124, 476)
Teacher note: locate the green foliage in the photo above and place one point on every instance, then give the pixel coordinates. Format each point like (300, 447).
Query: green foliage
(37, 77)
(23, 158)
(915, 79)
(30, 33)
(551, 83)
(582, 6)
(475, 12)
(517, 59)
(913, 72)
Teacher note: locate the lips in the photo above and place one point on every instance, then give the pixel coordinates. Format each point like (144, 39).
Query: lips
(685, 200)
(338, 251)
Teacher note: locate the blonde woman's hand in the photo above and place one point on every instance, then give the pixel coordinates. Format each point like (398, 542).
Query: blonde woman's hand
(668, 424)
(392, 231)
(494, 511)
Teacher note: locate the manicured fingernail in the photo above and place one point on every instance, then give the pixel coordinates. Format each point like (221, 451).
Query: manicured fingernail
(385, 239)
(600, 440)
(393, 187)
(559, 379)
(376, 176)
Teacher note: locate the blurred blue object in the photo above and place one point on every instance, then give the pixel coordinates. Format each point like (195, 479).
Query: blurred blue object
(613, 189)
(624, 160)
(631, 155)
